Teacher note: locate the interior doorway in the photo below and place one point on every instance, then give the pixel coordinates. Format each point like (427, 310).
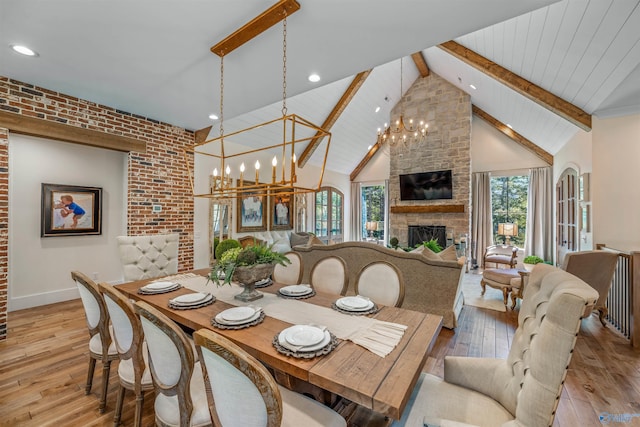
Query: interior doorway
(566, 214)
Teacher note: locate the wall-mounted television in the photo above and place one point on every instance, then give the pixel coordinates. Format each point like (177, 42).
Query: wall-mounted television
(426, 186)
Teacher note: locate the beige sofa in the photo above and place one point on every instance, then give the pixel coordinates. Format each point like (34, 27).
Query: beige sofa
(430, 286)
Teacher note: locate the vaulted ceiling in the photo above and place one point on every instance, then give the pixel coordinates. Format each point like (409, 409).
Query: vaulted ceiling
(152, 58)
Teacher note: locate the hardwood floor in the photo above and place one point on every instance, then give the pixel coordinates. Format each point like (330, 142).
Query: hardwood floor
(43, 366)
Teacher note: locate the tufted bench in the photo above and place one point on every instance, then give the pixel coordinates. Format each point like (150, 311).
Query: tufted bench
(147, 257)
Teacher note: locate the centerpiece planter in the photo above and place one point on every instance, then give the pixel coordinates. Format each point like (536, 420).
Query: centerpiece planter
(247, 276)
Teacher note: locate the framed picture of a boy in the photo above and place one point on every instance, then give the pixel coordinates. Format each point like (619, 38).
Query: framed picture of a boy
(70, 210)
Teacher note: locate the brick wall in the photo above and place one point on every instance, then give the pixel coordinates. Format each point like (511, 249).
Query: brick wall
(157, 176)
(447, 110)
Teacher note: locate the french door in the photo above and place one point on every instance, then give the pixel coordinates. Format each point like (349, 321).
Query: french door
(566, 214)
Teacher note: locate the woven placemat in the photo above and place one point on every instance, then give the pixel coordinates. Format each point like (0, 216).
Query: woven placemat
(305, 296)
(164, 291)
(372, 310)
(306, 354)
(264, 285)
(191, 307)
(241, 326)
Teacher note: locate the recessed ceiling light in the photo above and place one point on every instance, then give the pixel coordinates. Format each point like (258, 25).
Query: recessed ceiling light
(369, 147)
(377, 108)
(472, 87)
(23, 50)
(213, 116)
(314, 78)
(509, 126)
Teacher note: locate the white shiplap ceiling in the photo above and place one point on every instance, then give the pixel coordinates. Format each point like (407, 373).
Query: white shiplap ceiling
(152, 58)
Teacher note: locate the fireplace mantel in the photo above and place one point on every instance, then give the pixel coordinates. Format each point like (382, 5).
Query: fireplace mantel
(428, 209)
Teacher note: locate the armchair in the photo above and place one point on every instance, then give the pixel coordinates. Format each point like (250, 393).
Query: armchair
(524, 389)
(596, 268)
(500, 254)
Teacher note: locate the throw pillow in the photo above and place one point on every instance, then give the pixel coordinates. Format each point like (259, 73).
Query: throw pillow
(427, 253)
(449, 254)
(313, 240)
(299, 239)
(281, 246)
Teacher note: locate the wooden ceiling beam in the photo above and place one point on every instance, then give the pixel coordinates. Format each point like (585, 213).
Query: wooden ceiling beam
(256, 26)
(33, 126)
(345, 99)
(557, 105)
(372, 152)
(421, 64)
(515, 136)
(201, 135)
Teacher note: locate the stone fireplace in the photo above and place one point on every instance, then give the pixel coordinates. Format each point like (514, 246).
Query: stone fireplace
(424, 233)
(447, 110)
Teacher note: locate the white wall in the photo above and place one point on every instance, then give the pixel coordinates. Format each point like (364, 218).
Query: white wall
(615, 182)
(378, 168)
(40, 267)
(492, 150)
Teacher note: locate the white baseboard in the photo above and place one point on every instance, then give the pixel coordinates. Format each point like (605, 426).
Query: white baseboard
(44, 298)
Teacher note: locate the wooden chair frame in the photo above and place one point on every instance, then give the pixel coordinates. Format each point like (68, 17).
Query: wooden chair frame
(400, 299)
(181, 388)
(101, 328)
(241, 360)
(135, 353)
(345, 285)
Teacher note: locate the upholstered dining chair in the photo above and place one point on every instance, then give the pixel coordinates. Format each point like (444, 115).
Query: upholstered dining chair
(180, 391)
(148, 257)
(101, 346)
(523, 389)
(290, 274)
(597, 269)
(133, 370)
(330, 275)
(382, 282)
(241, 392)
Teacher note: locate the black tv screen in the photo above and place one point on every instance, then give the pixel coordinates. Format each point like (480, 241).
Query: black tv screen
(426, 186)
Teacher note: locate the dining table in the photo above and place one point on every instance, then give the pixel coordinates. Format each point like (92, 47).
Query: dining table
(382, 384)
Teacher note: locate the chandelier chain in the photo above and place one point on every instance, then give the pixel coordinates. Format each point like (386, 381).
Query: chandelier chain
(221, 94)
(284, 66)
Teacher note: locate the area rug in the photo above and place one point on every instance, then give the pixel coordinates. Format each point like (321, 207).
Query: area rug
(471, 289)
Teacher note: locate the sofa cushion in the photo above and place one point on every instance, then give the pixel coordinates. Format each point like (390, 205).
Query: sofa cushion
(448, 254)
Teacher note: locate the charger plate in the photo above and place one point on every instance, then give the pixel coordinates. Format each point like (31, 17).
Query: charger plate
(253, 322)
(328, 348)
(372, 310)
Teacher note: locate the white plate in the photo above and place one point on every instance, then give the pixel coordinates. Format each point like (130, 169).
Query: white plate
(283, 342)
(354, 303)
(223, 321)
(262, 282)
(348, 308)
(159, 286)
(296, 290)
(237, 314)
(190, 299)
(304, 335)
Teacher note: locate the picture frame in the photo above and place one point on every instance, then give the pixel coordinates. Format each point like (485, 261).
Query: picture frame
(70, 210)
(282, 211)
(251, 212)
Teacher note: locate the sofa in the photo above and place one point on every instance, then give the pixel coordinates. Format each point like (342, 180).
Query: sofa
(279, 240)
(431, 285)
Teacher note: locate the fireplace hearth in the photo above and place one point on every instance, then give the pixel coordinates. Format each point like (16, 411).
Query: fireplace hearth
(422, 233)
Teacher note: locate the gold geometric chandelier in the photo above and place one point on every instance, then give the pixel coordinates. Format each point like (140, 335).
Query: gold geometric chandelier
(239, 157)
(401, 131)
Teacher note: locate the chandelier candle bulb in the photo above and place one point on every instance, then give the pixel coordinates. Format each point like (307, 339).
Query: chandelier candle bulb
(257, 171)
(241, 173)
(228, 171)
(274, 164)
(293, 168)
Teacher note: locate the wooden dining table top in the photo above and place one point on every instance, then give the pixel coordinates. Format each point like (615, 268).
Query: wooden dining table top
(382, 384)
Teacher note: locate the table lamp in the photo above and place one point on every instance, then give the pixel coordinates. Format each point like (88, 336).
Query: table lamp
(371, 226)
(507, 229)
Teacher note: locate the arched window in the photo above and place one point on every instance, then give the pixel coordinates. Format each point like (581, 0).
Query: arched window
(329, 215)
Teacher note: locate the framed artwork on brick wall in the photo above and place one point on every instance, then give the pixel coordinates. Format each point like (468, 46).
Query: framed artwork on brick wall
(252, 214)
(70, 210)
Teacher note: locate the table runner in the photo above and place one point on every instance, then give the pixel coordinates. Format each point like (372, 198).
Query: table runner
(377, 336)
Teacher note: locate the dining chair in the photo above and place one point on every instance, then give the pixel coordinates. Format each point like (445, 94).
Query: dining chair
(101, 346)
(242, 392)
(330, 275)
(524, 389)
(382, 282)
(290, 274)
(133, 370)
(148, 257)
(180, 390)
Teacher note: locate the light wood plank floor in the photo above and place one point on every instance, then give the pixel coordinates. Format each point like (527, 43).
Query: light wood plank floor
(43, 365)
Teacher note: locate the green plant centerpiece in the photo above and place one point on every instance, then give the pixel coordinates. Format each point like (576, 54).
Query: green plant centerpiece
(433, 245)
(530, 261)
(246, 266)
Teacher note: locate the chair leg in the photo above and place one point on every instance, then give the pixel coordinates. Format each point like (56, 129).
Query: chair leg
(484, 286)
(106, 368)
(139, 405)
(119, 402)
(602, 313)
(513, 300)
(90, 372)
(505, 295)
